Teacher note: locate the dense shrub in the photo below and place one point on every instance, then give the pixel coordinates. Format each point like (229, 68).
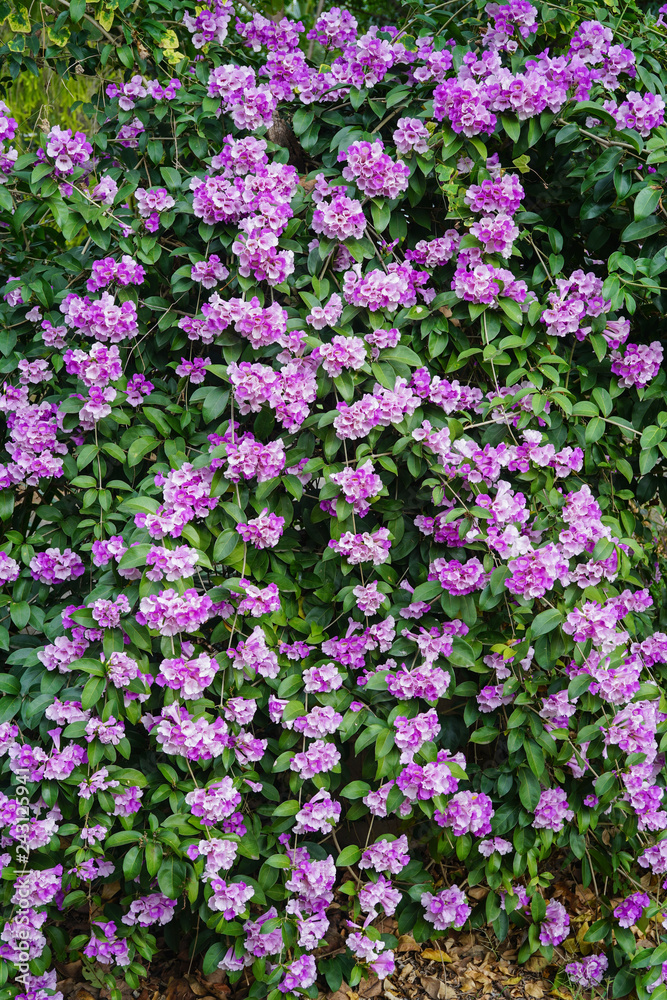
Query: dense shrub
(334, 459)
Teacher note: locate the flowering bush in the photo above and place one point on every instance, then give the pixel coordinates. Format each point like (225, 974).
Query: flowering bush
(333, 464)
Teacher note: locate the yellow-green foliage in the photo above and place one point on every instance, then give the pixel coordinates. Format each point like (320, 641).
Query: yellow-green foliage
(34, 101)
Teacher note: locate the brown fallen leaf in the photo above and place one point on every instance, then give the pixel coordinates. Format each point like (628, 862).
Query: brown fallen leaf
(178, 989)
(534, 990)
(370, 988)
(81, 994)
(215, 978)
(468, 985)
(407, 943)
(570, 946)
(437, 990)
(584, 946)
(340, 994)
(435, 955)
(513, 981)
(197, 988)
(71, 970)
(536, 963)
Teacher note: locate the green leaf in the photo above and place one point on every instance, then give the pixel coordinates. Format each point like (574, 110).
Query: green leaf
(357, 97)
(154, 854)
(546, 622)
(122, 837)
(598, 931)
(358, 249)
(214, 404)
(624, 984)
(92, 692)
(535, 757)
(40, 171)
(171, 177)
(648, 459)
(9, 684)
(155, 150)
(77, 8)
(603, 400)
(512, 127)
(302, 120)
(126, 55)
(381, 214)
(135, 556)
(652, 436)
(604, 783)
(626, 940)
(642, 229)
(594, 111)
(646, 202)
(139, 448)
(225, 544)
(578, 686)
(289, 808)
(171, 877)
(348, 856)
(529, 790)
(20, 613)
(85, 455)
(402, 354)
(278, 861)
(213, 957)
(485, 734)
(625, 469)
(397, 94)
(594, 430)
(511, 309)
(355, 790)
(132, 863)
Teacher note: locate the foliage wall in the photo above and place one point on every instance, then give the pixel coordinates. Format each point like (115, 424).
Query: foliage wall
(334, 455)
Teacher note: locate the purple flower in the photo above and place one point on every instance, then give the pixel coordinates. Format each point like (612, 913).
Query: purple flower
(214, 803)
(458, 578)
(367, 547)
(230, 898)
(318, 815)
(67, 150)
(170, 612)
(630, 910)
(448, 908)
(9, 569)
(105, 946)
(410, 134)
(556, 924)
(386, 855)
(318, 758)
(552, 810)
(262, 532)
(487, 847)
(56, 566)
(467, 812)
(149, 910)
(639, 365)
(589, 972)
(299, 974)
(375, 173)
